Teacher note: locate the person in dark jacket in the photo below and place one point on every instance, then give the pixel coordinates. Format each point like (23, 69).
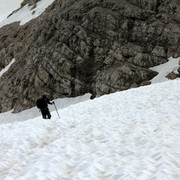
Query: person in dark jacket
(42, 104)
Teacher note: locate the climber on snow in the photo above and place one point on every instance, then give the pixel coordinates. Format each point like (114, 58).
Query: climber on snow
(42, 104)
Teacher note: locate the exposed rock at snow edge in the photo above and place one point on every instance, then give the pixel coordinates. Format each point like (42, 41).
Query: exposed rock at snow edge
(79, 46)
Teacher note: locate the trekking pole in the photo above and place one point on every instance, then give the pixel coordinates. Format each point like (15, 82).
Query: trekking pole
(56, 110)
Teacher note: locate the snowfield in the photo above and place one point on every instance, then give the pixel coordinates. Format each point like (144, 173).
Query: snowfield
(7, 7)
(164, 69)
(129, 135)
(22, 15)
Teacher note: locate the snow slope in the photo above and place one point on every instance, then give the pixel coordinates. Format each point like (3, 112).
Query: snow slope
(129, 135)
(9, 117)
(24, 14)
(7, 7)
(164, 69)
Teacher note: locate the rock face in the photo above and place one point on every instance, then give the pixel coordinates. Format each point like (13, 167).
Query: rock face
(80, 46)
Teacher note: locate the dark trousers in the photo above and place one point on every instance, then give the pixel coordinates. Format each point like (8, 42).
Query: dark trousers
(45, 113)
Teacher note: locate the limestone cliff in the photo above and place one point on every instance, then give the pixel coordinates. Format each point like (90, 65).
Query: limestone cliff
(80, 46)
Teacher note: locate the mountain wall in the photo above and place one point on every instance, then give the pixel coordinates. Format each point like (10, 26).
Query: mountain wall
(80, 46)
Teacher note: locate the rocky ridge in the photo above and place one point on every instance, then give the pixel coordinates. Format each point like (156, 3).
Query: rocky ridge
(79, 46)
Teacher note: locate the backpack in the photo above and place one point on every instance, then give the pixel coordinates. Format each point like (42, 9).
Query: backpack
(39, 103)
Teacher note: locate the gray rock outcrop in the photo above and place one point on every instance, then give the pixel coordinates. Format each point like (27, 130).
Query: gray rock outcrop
(80, 46)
